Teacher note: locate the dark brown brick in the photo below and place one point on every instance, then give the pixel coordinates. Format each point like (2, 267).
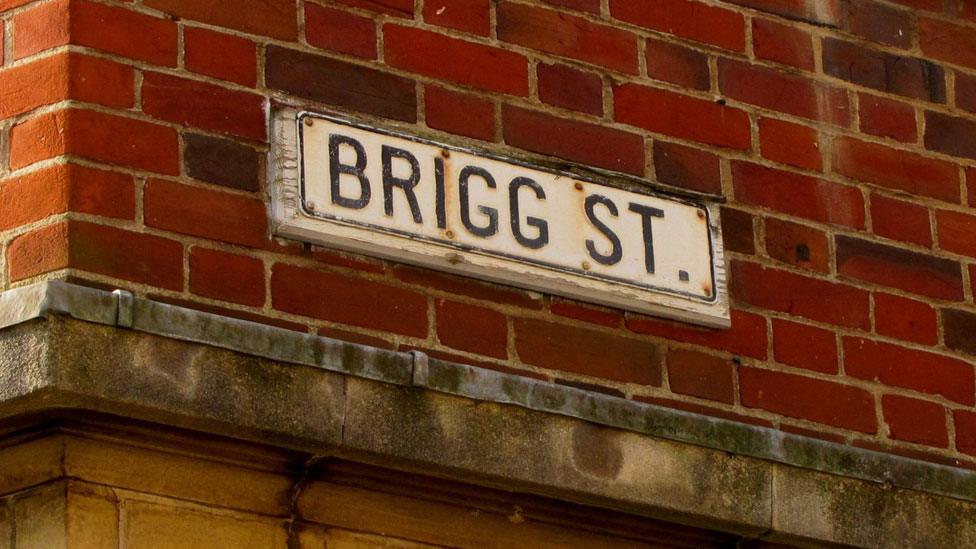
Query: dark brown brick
(567, 87)
(898, 268)
(340, 84)
(880, 23)
(738, 234)
(472, 328)
(960, 330)
(701, 375)
(950, 135)
(222, 162)
(882, 71)
(687, 167)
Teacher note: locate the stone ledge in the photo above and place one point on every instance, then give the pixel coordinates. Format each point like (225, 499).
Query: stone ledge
(70, 347)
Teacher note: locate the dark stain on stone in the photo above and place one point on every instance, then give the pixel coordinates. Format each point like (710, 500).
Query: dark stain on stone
(596, 451)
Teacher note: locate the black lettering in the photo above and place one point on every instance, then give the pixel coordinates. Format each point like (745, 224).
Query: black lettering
(540, 224)
(439, 193)
(616, 253)
(337, 168)
(407, 185)
(492, 227)
(646, 213)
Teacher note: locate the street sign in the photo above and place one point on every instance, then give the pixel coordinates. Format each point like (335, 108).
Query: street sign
(389, 194)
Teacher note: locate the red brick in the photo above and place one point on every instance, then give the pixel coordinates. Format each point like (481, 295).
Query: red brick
(96, 80)
(929, 5)
(204, 106)
(591, 144)
(886, 118)
(467, 287)
(226, 276)
(971, 186)
(880, 23)
(808, 398)
(37, 252)
(346, 260)
(10, 4)
(687, 167)
(591, 6)
(966, 91)
(899, 220)
(363, 89)
(205, 213)
(824, 12)
(237, 61)
(124, 32)
(896, 169)
(910, 369)
(348, 300)
(566, 35)
(799, 195)
(677, 64)
(797, 245)
(786, 93)
(746, 337)
(700, 375)
(26, 87)
(898, 268)
(965, 431)
(905, 76)
(40, 27)
(587, 352)
(471, 328)
(685, 18)
(786, 44)
(947, 41)
(460, 113)
(960, 330)
(905, 319)
(274, 18)
(805, 346)
(567, 87)
(800, 296)
(464, 15)
(397, 8)
(451, 59)
(96, 136)
(950, 134)
(915, 420)
(790, 143)
(340, 31)
(585, 313)
(681, 116)
(957, 232)
(738, 231)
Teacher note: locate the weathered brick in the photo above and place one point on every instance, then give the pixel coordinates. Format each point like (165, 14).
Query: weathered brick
(206, 213)
(396, 8)
(957, 232)
(346, 260)
(797, 245)
(464, 15)
(274, 18)
(738, 231)
(965, 422)
(587, 313)
(799, 195)
(782, 92)
(808, 398)
(746, 337)
(900, 220)
(685, 18)
(459, 113)
(880, 23)
(124, 32)
(340, 31)
(590, 6)
(564, 86)
(237, 61)
(687, 167)
(681, 116)
(914, 420)
(898, 268)
(700, 375)
(226, 276)
(824, 12)
(805, 346)
(25, 87)
(568, 36)
(363, 89)
(677, 64)
(37, 252)
(947, 41)
(910, 369)
(971, 186)
(591, 144)
(887, 118)
(467, 287)
(786, 44)
(790, 143)
(221, 162)
(950, 134)
(472, 328)
(896, 169)
(966, 91)
(906, 76)
(905, 319)
(451, 59)
(960, 330)
(587, 352)
(204, 106)
(40, 27)
(100, 81)
(96, 136)
(799, 295)
(232, 313)
(348, 300)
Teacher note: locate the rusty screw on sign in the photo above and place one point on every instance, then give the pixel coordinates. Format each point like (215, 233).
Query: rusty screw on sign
(707, 288)
(450, 234)
(701, 214)
(586, 265)
(578, 186)
(445, 153)
(309, 121)
(310, 206)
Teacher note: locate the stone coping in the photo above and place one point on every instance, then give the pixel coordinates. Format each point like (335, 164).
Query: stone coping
(415, 369)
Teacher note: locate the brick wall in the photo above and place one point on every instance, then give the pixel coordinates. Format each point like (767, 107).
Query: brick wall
(843, 137)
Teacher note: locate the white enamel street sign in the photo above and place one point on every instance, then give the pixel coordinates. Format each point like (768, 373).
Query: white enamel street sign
(400, 197)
